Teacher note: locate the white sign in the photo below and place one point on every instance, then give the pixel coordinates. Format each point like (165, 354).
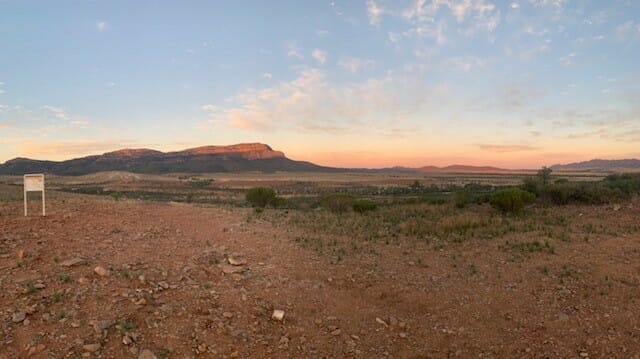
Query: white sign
(34, 183)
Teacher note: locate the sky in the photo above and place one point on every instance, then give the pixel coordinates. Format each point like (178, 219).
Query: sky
(373, 83)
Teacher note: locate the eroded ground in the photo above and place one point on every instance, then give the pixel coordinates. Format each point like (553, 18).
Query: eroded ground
(573, 294)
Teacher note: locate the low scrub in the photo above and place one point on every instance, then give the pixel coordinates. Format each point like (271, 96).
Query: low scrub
(511, 200)
(261, 197)
(337, 202)
(364, 205)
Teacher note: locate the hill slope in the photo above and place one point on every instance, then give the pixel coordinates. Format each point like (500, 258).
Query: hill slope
(597, 165)
(234, 158)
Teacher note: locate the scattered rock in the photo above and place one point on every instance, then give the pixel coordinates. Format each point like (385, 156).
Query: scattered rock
(227, 315)
(83, 281)
(236, 261)
(126, 340)
(18, 317)
(336, 332)
(231, 269)
(201, 348)
(91, 348)
(73, 262)
(146, 354)
(278, 315)
(21, 253)
(101, 271)
(380, 321)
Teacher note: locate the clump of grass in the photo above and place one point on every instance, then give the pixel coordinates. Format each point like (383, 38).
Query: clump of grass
(64, 277)
(124, 326)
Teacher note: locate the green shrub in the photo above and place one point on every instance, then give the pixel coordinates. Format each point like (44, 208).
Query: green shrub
(116, 195)
(261, 196)
(337, 202)
(364, 205)
(511, 200)
(462, 198)
(532, 185)
(560, 193)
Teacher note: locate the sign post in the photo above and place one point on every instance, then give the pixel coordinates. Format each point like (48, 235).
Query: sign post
(34, 183)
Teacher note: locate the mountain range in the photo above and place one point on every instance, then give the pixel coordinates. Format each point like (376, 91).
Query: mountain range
(598, 165)
(235, 158)
(247, 157)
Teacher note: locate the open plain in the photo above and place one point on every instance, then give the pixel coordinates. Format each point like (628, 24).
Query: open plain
(109, 276)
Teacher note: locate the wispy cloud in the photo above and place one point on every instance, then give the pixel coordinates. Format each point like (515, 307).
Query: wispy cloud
(293, 51)
(567, 59)
(477, 15)
(60, 114)
(465, 63)
(310, 103)
(266, 75)
(101, 25)
(354, 64)
(319, 55)
(43, 148)
(374, 11)
(555, 3)
(499, 148)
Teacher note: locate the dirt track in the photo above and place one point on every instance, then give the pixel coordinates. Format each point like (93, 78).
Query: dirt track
(166, 291)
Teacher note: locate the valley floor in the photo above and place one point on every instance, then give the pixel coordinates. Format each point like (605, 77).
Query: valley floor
(169, 290)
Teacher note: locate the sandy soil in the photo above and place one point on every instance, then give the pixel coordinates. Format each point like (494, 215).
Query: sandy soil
(166, 293)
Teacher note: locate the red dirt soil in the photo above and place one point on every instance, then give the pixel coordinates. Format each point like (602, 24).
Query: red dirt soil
(166, 291)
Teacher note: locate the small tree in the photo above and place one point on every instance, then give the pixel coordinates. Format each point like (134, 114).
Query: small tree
(260, 197)
(544, 174)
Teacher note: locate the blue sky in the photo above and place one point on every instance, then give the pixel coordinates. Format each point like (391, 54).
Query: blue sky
(349, 83)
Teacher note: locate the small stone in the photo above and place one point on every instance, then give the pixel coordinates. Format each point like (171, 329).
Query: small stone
(142, 301)
(402, 335)
(584, 355)
(231, 269)
(101, 271)
(336, 332)
(18, 317)
(318, 321)
(201, 348)
(39, 286)
(227, 315)
(393, 321)
(21, 253)
(126, 340)
(83, 280)
(380, 321)
(73, 262)
(235, 261)
(146, 354)
(91, 348)
(278, 315)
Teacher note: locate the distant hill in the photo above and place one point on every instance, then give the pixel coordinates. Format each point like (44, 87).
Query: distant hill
(597, 165)
(245, 157)
(234, 158)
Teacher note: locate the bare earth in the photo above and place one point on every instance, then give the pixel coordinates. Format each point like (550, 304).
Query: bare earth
(166, 292)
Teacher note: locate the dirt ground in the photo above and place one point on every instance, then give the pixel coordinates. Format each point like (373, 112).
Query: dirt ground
(166, 289)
